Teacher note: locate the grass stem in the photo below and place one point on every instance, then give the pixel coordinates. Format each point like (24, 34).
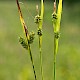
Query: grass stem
(27, 37)
(39, 21)
(40, 50)
(40, 37)
(56, 26)
(29, 49)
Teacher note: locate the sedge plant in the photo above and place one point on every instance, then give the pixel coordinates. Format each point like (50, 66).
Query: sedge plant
(29, 37)
(56, 18)
(39, 20)
(28, 40)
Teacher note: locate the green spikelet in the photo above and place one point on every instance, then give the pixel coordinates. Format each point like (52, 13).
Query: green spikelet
(23, 42)
(39, 32)
(31, 37)
(37, 19)
(54, 19)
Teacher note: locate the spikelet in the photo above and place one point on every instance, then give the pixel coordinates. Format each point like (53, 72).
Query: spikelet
(23, 43)
(31, 37)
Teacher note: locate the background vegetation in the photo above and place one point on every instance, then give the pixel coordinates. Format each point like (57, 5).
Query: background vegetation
(50, 0)
(14, 60)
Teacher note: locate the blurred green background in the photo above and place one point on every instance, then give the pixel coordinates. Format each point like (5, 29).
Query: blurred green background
(15, 61)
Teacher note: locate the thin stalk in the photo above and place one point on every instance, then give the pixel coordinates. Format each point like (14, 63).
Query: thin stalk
(54, 61)
(40, 36)
(27, 37)
(55, 52)
(40, 51)
(54, 48)
(56, 26)
(29, 49)
(39, 21)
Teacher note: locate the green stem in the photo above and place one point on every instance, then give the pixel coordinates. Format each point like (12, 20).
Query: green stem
(40, 36)
(29, 49)
(56, 41)
(27, 36)
(54, 58)
(39, 21)
(56, 26)
(40, 50)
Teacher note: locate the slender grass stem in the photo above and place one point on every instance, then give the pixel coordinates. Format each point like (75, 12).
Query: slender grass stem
(40, 50)
(56, 26)
(27, 37)
(39, 21)
(29, 49)
(40, 37)
(55, 52)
